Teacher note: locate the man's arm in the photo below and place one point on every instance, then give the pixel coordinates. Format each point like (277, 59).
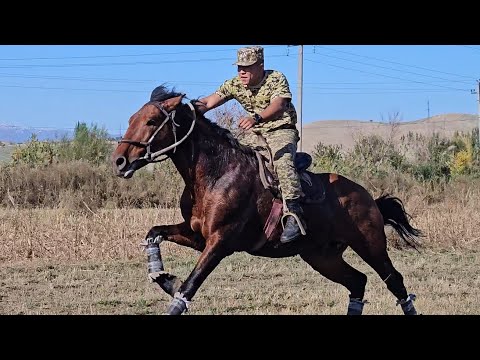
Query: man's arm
(210, 102)
(271, 112)
(275, 109)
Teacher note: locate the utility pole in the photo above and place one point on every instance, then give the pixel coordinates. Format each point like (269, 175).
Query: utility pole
(477, 91)
(428, 109)
(478, 99)
(300, 89)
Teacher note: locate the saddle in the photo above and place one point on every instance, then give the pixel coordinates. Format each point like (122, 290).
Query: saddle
(269, 178)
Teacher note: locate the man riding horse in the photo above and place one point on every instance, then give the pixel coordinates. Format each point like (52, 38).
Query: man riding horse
(265, 95)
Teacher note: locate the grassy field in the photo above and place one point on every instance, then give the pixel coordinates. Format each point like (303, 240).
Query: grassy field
(84, 262)
(445, 283)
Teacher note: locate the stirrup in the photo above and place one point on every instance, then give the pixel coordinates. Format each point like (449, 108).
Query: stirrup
(297, 219)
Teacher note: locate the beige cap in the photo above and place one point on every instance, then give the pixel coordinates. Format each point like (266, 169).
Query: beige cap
(249, 55)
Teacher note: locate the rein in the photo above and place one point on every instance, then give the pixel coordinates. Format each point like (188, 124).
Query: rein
(152, 156)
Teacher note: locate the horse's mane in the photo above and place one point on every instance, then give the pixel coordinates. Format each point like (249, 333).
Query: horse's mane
(161, 93)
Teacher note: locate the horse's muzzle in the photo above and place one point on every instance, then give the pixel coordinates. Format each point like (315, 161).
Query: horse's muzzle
(123, 168)
(120, 163)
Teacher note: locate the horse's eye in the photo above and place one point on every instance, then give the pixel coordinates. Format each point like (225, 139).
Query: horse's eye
(151, 122)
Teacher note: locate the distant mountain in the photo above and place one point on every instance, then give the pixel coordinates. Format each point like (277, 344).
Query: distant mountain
(19, 134)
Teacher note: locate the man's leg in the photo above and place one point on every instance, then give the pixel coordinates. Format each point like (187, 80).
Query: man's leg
(283, 144)
(250, 138)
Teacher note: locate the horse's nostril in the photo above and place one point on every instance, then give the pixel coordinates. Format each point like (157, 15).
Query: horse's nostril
(121, 162)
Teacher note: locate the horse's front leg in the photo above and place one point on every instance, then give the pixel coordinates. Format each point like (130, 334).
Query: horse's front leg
(181, 234)
(211, 256)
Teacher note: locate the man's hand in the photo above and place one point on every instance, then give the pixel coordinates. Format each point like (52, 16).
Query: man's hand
(246, 123)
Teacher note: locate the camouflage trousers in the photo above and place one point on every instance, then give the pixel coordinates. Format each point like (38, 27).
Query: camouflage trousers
(283, 145)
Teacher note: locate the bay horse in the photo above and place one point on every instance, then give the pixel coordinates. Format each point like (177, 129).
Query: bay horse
(226, 206)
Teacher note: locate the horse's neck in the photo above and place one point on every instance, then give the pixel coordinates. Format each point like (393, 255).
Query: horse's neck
(200, 152)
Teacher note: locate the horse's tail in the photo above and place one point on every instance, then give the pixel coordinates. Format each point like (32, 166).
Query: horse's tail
(394, 214)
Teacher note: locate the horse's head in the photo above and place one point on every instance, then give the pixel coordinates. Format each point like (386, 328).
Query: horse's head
(151, 132)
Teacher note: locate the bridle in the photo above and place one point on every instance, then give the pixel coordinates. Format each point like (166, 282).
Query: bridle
(152, 156)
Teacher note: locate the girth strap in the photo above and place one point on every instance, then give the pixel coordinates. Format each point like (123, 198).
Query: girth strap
(261, 170)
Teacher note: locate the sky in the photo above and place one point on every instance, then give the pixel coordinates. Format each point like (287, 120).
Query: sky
(56, 86)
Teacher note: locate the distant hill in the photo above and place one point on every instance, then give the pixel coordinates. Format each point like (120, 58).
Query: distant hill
(344, 132)
(329, 132)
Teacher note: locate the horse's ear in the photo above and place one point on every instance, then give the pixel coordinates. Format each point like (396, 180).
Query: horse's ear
(171, 104)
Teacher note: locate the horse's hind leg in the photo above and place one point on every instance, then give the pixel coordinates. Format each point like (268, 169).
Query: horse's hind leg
(337, 270)
(375, 254)
(394, 281)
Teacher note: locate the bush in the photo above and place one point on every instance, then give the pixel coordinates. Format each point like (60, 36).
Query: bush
(35, 152)
(77, 184)
(327, 158)
(89, 143)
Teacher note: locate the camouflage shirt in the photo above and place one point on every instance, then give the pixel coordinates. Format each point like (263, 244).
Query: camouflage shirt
(255, 99)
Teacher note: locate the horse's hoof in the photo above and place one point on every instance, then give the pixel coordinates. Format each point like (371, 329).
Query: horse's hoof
(355, 306)
(177, 307)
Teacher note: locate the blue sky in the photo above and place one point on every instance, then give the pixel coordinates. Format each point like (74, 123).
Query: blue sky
(57, 86)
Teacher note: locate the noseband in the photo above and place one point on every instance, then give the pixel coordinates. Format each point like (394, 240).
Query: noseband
(152, 156)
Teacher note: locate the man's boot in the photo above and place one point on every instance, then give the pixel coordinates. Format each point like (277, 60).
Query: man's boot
(292, 231)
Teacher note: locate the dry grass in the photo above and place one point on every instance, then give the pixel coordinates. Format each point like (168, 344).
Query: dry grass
(448, 220)
(90, 262)
(445, 283)
(62, 234)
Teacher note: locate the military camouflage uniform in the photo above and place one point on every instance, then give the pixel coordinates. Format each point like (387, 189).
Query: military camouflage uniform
(281, 134)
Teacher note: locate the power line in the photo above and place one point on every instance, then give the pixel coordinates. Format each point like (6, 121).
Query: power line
(363, 88)
(377, 83)
(121, 63)
(394, 62)
(111, 64)
(123, 80)
(378, 92)
(470, 47)
(125, 55)
(388, 76)
(367, 90)
(75, 89)
(384, 67)
(52, 77)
